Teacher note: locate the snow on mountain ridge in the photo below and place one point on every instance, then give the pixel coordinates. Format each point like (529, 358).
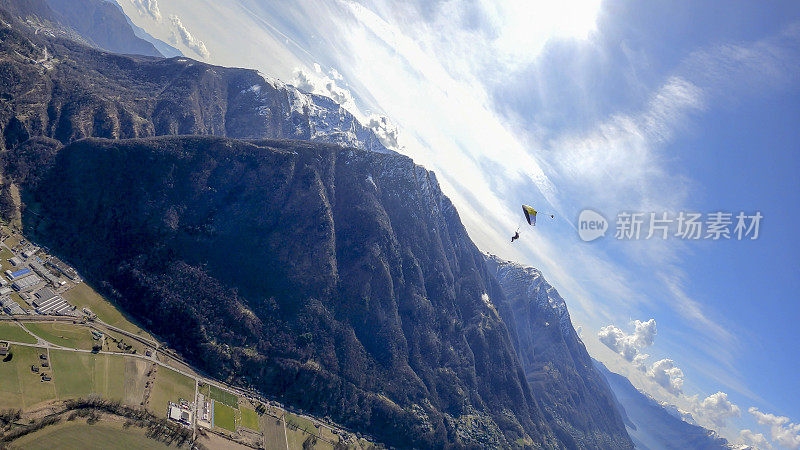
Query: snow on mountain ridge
(538, 288)
(326, 120)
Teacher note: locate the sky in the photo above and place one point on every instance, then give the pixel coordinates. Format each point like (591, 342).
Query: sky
(615, 106)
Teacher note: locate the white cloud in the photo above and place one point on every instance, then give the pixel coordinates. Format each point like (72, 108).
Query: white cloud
(782, 430)
(667, 375)
(753, 440)
(148, 7)
(629, 346)
(715, 409)
(385, 130)
(320, 83)
(180, 34)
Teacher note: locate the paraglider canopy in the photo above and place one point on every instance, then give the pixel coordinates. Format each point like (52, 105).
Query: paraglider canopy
(530, 214)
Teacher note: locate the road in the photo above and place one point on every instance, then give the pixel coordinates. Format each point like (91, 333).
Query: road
(153, 358)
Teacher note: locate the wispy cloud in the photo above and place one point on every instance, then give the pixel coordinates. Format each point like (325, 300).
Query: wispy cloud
(178, 33)
(148, 7)
(181, 35)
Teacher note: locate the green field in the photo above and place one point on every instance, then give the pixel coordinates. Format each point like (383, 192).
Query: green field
(204, 389)
(13, 332)
(249, 418)
(111, 346)
(226, 397)
(83, 374)
(295, 439)
(224, 416)
(20, 387)
(300, 422)
(5, 255)
(170, 386)
(101, 435)
(63, 334)
(12, 241)
(83, 295)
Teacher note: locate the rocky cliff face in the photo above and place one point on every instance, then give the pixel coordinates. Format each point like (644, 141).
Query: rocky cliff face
(339, 280)
(574, 396)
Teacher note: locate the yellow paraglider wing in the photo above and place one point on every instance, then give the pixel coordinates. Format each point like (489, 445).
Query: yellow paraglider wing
(530, 214)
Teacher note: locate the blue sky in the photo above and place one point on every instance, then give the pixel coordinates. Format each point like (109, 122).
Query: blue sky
(611, 105)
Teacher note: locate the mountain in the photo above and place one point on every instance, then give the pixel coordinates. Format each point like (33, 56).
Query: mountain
(98, 23)
(338, 280)
(63, 90)
(328, 272)
(558, 368)
(651, 425)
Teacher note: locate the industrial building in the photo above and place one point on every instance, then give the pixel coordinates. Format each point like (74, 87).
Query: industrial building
(11, 307)
(68, 271)
(30, 251)
(180, 413)
(44, 273)
(47, 302)
(21, 273)
(27, 283)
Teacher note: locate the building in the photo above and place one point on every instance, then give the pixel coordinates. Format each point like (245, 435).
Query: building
(5, 347)
(17, 274)
(10, 306)
(55, 305)
(48, 302)
(27, 283)
(44, 273)
(43, 294)
(15, 261)
(30, 251)
(68, 271)
(180, 413)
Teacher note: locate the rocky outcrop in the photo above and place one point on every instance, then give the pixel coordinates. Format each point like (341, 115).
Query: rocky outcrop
(575, 397)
